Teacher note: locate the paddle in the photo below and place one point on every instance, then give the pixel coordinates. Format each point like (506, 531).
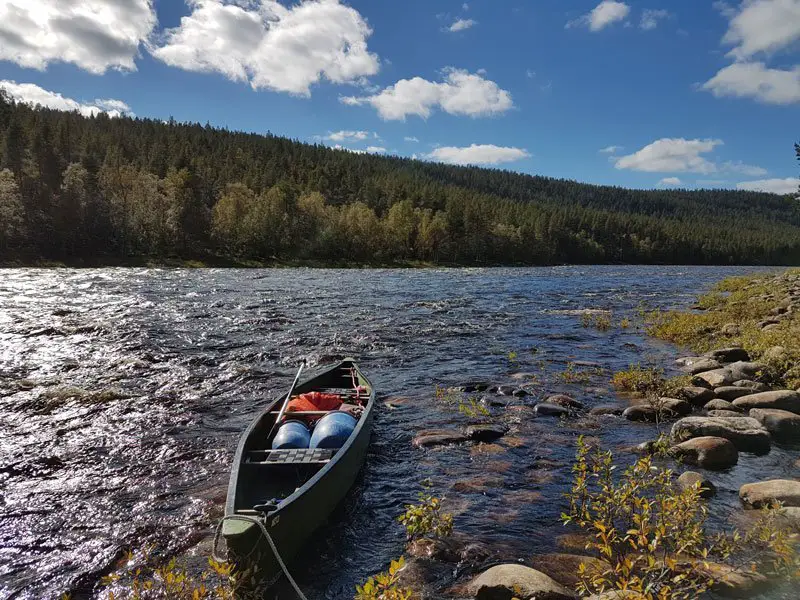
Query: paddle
(288, 397)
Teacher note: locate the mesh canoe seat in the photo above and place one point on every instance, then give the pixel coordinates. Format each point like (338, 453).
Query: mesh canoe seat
(293, 456)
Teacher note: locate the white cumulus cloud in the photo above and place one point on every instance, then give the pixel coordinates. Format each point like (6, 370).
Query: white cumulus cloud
(461, 93)
(30, 93)
(610, 149)
(745, 169)
(462, 24)
(271, 46)
(601, 16)
(671, 155)
(790, 185)
(755, 80)
(411, 139)
(762, 26)
(344, 135)
(477, 154)
(95, 35)
(673, 181)
(651, 17)
(376, 149)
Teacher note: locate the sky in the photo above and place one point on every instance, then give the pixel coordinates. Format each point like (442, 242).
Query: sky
(653, 94)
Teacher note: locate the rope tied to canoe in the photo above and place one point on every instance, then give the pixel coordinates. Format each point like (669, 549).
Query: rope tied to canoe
(263, 528)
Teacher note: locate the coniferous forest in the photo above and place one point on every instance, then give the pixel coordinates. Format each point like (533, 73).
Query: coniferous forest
(98, 190)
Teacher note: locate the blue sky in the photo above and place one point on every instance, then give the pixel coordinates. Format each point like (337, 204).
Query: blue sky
(661, 93)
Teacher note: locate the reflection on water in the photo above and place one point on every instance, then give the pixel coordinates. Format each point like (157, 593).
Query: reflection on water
(123, 391)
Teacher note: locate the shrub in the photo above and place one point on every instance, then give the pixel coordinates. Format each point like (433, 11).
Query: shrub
(385, 586)
(426, 519)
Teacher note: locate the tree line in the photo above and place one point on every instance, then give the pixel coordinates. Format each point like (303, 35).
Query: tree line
(97, 189)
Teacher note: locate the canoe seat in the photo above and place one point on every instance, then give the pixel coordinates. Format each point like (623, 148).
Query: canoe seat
(294, 456)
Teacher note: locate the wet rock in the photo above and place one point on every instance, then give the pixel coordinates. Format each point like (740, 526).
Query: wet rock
(486, 449)
(565, 401)
(695, 395)
(504, 582)
(782, 424)
(519, 393)
(433, 548)
(746, 433)
(485, 433)
(733, 582)
(477, 485)
(506, 390)
(473, 386)
(764, 493)
(495, 402)
(725, 413)
(701, 364)
(429, 439)
(544, 409)
(731, 392)
(728, 355)
(665, 408)
(708, 452)
(564, 568)
(573, 542)
(756, 386)
(607, 409)
(642, 412)
(521, 376)
(714, 379)
(779, 399)
(691, 478)
(720, 404)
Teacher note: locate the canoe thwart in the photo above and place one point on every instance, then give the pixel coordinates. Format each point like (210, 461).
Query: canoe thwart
(292, 456)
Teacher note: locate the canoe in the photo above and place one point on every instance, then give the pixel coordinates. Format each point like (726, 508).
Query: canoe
(291, 492)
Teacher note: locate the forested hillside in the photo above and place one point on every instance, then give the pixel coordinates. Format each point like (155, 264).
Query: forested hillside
(74, 188)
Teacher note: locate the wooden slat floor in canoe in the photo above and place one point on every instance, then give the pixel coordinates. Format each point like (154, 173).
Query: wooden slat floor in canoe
(293, 456)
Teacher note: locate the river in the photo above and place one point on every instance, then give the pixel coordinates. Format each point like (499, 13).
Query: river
(123, 392)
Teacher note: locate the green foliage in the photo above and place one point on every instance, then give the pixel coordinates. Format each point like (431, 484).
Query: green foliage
(599, 320)
(426, 519)
(473, 408)
(123, 187)
(575, 374)
(652, 534)
(385, 586)
(639, 379)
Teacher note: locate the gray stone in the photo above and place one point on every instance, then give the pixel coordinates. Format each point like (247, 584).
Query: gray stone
(674, 405)
(764, 493)
(730, 330)
(691, 478)
(607, 409)
(715, 378)
(746, 433)
(707, 451)
(731, 392)
(782, 424)
(720, 404)
(506, 390)
(745, 370)
(429, 439)
(780, 399)
(756, 386)
(504, 582)
(544, 409)
(644, 412)
(697, 396)
(733, 581)
(565, 401)
(725, 413)
(775, 354)
(728, 355)
(701, 364)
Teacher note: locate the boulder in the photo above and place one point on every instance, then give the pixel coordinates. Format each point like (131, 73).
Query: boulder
(775, 355)
(720, 404)
(691, 478)
(545, 409)
(725, 413)
(697, 396)
(745, 370)
(756, 386)
(485, 433)
(607, 409)
(764, 493)
(675, 405)
(733, 582)
(708, 452)
(564, 568)
(565, 401)
(780, 399)
(782, 424)
(714, 379)
(506, 390)
(519, 393)
(642, 412)
(731, 392)
(504, 582)
(698, 365)
(730, 330)
(429, 439)
(746, 433)
(728, 355)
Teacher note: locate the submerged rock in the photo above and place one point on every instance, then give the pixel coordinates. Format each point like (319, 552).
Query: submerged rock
(764, 493)
(564, 568)
(779, 399)
(746, 433)
(565, 401)
(734, 582)
(545, 409)
(485, 433)
(691, 478)
(708, 452)
(429, 439)
(504, 582)
(782, 424)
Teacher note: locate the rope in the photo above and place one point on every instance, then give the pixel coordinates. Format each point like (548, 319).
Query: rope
(260, 523)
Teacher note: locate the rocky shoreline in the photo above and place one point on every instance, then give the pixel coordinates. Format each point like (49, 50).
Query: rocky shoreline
(735, 400)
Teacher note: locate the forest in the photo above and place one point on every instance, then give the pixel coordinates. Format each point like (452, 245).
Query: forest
(101, 190)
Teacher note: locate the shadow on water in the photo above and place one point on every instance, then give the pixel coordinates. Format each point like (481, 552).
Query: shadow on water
(123, 392)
